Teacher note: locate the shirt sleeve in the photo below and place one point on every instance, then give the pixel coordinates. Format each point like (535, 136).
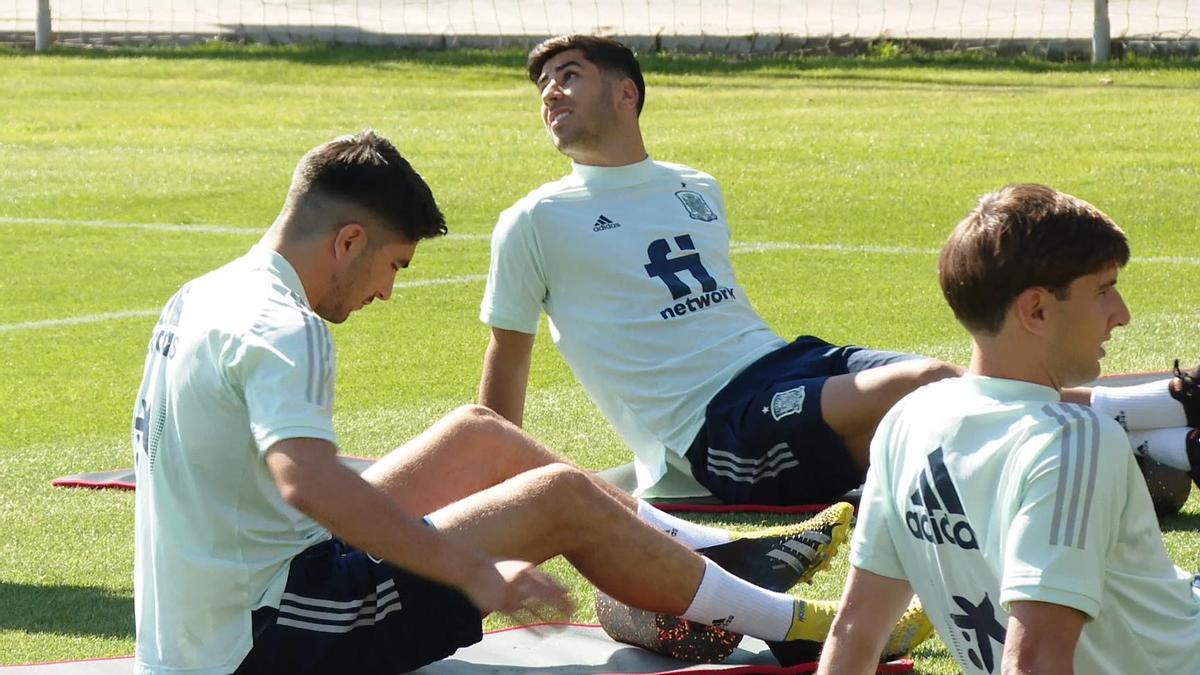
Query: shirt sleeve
(285, 374)
(1060, 534)
(516, 284)
(872, 547)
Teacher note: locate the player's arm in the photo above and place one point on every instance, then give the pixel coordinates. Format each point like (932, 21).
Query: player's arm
(871, 605)
(506, 373)
(1056, 551)
(1041, 638)
(517, 287)
(312, 480)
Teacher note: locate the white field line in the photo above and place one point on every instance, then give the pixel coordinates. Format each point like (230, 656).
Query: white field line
(71, 321)
(735, 248)
(140, 313)
(418, 283)
(767, 246)
(1167, 260)
(156, 227)
(197, 228)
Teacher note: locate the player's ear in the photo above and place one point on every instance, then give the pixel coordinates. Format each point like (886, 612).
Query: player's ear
(1030, 309)
(627, 94)
(349, 241)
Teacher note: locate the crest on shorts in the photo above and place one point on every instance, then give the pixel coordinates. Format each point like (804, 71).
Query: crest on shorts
(785, 403)
(696, 207)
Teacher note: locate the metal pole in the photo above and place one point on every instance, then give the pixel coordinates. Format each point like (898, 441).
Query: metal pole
(1101, 32)
(41, 39)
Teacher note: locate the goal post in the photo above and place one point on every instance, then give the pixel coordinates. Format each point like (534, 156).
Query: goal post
(42, 36)
(1101, 32)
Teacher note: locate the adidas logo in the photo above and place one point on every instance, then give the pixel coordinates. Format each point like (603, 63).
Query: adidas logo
(929, 500)
(604, 223)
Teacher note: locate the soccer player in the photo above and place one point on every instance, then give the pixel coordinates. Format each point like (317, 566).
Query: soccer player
(629, 257)
(257, 551)
(1021, 520)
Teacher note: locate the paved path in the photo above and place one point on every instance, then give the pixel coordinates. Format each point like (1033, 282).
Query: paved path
(431, 21)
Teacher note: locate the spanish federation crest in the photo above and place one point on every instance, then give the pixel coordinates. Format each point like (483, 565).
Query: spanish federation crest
(696, 207)
(785, 403)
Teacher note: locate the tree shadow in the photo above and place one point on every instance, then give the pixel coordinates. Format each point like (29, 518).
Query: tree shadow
(353, 46)
(65, 610)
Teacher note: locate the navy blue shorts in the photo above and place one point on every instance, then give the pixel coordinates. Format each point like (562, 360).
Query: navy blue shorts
(346, 612)
(764, 440)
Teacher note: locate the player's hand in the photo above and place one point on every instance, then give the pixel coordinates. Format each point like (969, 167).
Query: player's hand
(517, 588)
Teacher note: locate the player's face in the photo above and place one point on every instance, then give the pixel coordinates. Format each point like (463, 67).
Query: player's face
(369, 276)
(1084, 322)
(579, 103)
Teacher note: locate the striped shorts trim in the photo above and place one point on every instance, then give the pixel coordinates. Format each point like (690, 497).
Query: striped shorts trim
(345, 611)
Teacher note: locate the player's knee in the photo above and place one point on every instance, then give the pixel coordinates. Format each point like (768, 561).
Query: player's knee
(567, 485)
(474, 411)
(925, 371)
(474, 418)
(566, 477)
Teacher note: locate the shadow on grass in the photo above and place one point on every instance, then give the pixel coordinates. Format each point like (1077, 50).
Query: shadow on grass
(65, 610)
(315, 53)
(1181, 522)
(662, 63)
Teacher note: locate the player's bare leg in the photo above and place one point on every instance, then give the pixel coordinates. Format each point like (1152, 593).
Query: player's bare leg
(559, 509)
(467, 451)
(473, 449)
(853, 404)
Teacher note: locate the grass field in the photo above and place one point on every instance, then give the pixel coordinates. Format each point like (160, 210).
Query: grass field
(851, 173)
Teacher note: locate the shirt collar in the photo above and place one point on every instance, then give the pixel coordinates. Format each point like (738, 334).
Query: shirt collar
(613, 176)
(1004, 389)
(271, 260)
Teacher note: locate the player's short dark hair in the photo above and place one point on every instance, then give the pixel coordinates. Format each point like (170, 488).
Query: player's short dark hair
(365, 172)
(1020, 237)
(609, 56)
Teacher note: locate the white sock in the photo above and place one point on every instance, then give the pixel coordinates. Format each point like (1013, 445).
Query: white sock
(689, 534)
(1142, 406)
(728, 602)
(1165, 446)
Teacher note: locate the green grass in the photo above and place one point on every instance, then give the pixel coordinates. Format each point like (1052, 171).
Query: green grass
(841, 152)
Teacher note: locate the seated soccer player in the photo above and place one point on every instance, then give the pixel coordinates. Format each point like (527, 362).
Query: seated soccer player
(629, 258)
(1020, 520)
(257, 551)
